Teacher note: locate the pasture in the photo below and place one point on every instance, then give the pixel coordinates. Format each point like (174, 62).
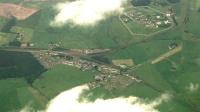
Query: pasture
(193, 26)
(14, 95)
(108, 33)
(6, 38)
(61, 78)
(26, 34)
(177, 75)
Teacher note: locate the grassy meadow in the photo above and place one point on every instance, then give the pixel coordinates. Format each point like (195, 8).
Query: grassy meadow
(108, 33)
(15, 95)
(61, 78)
(177, 75)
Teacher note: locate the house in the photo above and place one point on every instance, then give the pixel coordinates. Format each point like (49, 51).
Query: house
(158, 23)
(70, 63)
(166, 22)
(172, 45)
(24, 45)
(158, 17)
(31, 44)
(168, 14)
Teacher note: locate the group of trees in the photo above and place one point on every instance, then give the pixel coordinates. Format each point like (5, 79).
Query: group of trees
(11, 22)
(147, 2)
(141, 2)
(19, 65)
(160, 2)
(173, 1)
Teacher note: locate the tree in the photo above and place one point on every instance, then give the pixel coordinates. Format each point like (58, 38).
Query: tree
(199, 10)
(141, 2)
(173, 1)
(6, 28)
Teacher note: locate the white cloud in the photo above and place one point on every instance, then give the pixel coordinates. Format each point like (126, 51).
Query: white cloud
(86, 12)
(68, 102)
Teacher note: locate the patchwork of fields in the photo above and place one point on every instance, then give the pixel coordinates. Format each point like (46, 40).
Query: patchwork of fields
(165, 59)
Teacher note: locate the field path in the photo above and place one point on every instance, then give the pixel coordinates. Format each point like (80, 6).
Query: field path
(38, 96)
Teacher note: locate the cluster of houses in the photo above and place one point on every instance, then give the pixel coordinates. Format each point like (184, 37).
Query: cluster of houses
(150, 21)
(88, 65)
(46, 59)
(106, 72)
(26, 45)
(113, 81)
(80, 64)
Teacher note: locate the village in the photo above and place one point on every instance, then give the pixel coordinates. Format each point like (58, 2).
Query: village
(106, 75)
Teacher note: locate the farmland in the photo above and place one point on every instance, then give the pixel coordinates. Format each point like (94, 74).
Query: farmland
(21, 13)
(152, 49)
(97, 37)
(110, 33)
(15, 95)
(72, 78)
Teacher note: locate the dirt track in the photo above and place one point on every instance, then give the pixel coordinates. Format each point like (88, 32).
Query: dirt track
(166, 55)
(7, 10)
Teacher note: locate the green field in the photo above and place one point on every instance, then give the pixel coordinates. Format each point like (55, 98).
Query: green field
(17, 93)
(193, 27)
(161, 76)
(107, 34)
(24, 81)
(67, 77)
(14, 95)
(6, 38)
(26, 33)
